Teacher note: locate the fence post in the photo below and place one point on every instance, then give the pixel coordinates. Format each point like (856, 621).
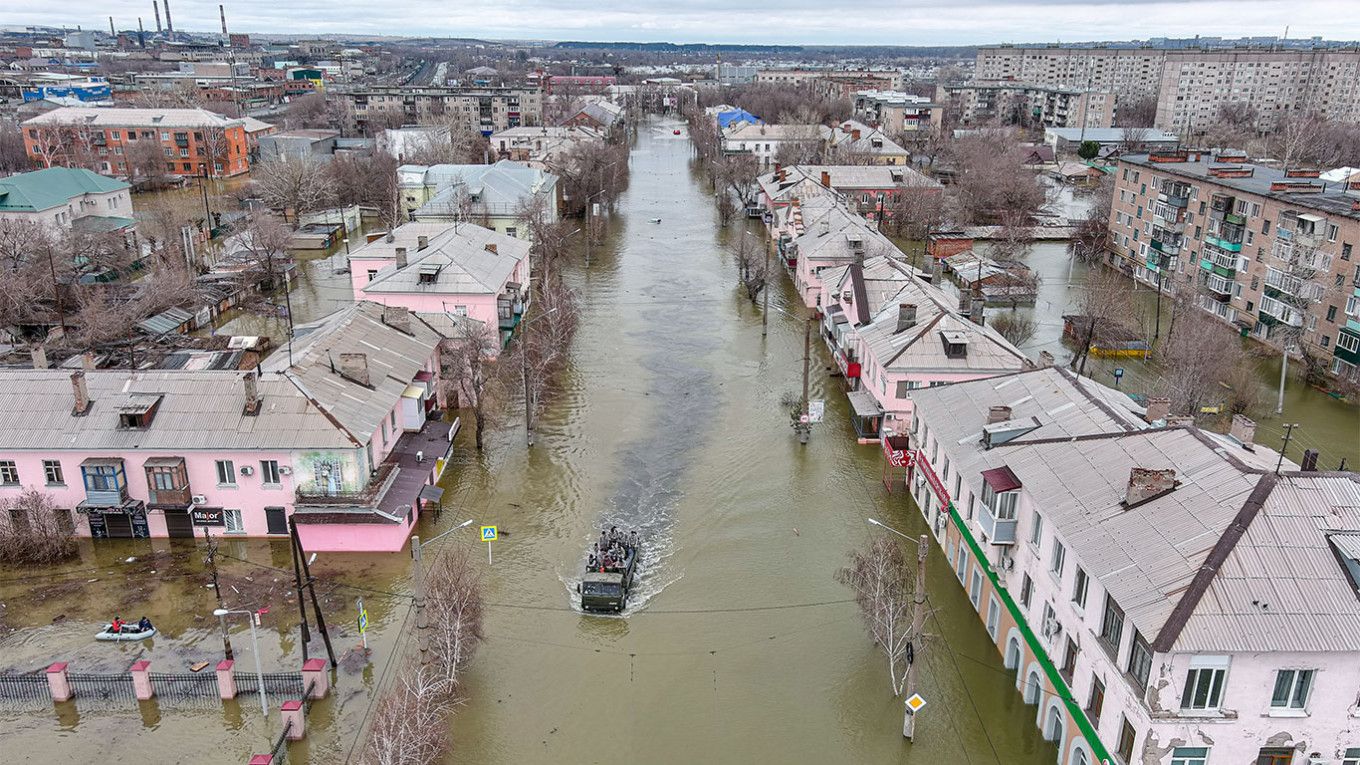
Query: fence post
(261, 759)
(58, 683)
(226, 679)
(314, 676)
(141, 680)
(294, 719)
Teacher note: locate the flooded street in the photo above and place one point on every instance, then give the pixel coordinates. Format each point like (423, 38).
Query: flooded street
(742, 648)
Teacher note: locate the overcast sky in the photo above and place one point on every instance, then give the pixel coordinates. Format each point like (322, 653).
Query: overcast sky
(826, 22)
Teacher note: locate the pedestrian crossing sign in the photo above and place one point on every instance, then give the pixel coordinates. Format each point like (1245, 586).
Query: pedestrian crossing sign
(915, 703)
(488, 533)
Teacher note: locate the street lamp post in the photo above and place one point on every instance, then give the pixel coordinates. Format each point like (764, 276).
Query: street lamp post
(255, 648)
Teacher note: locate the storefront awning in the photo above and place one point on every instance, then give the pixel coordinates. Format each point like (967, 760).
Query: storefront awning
(864, 404)
(431, 493)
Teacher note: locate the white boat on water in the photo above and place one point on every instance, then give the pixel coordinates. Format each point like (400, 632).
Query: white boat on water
(128, 634)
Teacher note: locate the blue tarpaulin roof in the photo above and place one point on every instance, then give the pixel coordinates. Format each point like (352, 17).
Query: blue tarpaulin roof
(737, 115)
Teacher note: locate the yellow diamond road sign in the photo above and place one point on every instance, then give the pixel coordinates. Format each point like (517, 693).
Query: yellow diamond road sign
(915, 703)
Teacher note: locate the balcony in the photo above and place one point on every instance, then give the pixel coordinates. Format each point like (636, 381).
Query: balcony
(105, 482)
(1169, 247)
(1277, 311)
(1223, 244)
(1000, 532)
(1179, 198)
(167, 482)
(1218, 284)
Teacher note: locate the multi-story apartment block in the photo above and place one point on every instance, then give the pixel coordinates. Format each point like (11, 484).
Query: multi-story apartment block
(194, 141)
(482, 110)
(977, 103)
(897, 113)
(66, 198)
(1191, 84)
(1270, 251)
(1162, 595)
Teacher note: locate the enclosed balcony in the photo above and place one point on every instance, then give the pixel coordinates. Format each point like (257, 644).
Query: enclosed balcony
(1000, 500)
(167, 482)
(105, 481)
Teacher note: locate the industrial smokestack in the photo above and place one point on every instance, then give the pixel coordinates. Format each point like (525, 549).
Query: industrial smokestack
(141, 33)
(112, 33)
(169, 25)
(222, 11)
(156, 6)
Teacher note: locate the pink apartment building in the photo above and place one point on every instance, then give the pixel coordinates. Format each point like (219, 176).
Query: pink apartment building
(340, 433)
(892, 333)
(446, 272)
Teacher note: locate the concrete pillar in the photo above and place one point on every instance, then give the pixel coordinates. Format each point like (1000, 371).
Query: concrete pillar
(314, 676)
(261, 759)
(58, 683)
(226, 679)
(141, 680)
(292, 713)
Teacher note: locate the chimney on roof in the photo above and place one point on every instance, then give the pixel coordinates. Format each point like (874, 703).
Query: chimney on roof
(397, 317)
(1157, 408)
(82, 394)
(354, 366)
(1145, 484)
(87, 361)
(854, 134)
(1310, 457)
(401, 257)
(422, 242)
(1243, 429)
(826, 178)
(39, 357)
(491, 247)
(999, 413)
(252, 406)
(1045, 359)
(906, 316)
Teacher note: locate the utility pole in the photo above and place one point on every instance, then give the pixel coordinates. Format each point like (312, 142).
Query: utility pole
(56, 292)
(804, 423)
(297, 581)
(524, 379)
(418, 584)
(311, 587)
(1288, 434)
(765, 310)
(1284, 366)
(918, 626)
(211, 562)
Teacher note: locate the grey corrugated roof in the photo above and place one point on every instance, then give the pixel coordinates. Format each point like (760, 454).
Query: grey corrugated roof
(463, 264)
(394, 357)
(164, 322)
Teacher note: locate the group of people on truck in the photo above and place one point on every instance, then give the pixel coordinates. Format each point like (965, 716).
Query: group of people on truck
(612, 551)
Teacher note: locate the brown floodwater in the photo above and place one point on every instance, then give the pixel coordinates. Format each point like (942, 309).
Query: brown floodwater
(740, 646)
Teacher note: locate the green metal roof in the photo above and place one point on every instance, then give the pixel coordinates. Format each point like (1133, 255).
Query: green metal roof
(53, 187)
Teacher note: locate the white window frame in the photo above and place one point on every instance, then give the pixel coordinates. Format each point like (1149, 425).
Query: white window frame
(1210, 675)
(269, 473)
(1295, 674)
(1190, 755)
(233, 521)
(1081, 585)
(1036, 531)
(993, 616)
(975, 589)
(226, 469)
(1057, 560)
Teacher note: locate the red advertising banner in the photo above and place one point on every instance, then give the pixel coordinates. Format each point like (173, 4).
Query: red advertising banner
(896, 457)
(931, 478)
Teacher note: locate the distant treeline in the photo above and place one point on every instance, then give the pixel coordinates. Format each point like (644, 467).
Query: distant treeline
(664, 47)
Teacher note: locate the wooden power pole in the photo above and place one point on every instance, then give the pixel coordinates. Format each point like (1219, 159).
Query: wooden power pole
(211, 561)
(418, 584)
(918, 625)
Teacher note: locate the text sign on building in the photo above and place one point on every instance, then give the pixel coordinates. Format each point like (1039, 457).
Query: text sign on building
(208, 516)
(931, 478)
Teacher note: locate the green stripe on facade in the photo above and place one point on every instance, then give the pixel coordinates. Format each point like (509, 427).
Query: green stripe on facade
(1074, 710)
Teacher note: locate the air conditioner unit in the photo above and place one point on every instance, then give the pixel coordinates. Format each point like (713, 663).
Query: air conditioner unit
(247, 470)
(198, 499)
(285, 470)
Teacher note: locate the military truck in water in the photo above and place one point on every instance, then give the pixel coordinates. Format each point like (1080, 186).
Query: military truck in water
(609, 572)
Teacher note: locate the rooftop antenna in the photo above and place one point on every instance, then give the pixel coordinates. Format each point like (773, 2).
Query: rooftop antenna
(156, 6)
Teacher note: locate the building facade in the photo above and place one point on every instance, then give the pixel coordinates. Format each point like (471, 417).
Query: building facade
(482, 110)
(978, 103)
(1269, 251)
(897, 113)
(66, 198)
(193, 141)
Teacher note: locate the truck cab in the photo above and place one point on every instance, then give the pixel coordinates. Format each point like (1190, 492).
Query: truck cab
(607, 591)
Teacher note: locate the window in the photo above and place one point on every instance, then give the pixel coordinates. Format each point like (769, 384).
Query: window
(1002, 505)
(233, 521)
(993, 616)
(1059, 558)
(1079, 586)
(1140, 660)
(1069, 665)
(226, 473)
(1352, 756)
(1026, 591)
(962, 569)
(102, 477)
(372, 272)
(392, 418)
(9, 472)
(975, 590)
(1127, 736)
(1204, 683)
(1036, 532)
(1291, 689)
(1190, 755)
(1096, 702)
(511, 231)
(972, 498)
(269, 471)
(52, 472)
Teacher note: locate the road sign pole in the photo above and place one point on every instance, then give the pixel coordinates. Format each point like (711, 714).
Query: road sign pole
(918, 624)
(488, 553)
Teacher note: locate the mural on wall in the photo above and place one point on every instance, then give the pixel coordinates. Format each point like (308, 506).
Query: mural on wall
(326, 472)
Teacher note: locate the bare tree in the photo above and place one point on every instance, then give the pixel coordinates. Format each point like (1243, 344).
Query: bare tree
(468, 374)
(410, 724)
(262, 242)
(368, 181)
(1137, 111)
(751, 271)
(13, 156)
(878, 577)
(544, 347)
(34, 530)
(1091, 239)
(1195, 356)
(1235, 126)
(146, 167)
(991, 184)
(1015, 327)
(1104, 303)
(453, 612)
(301, 185)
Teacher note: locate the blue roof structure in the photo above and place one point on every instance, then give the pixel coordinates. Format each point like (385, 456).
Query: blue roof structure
(737, 115)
